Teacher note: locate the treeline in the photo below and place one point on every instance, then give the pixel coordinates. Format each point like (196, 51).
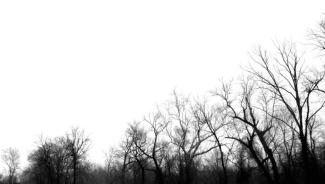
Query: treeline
(266, 127)
(58, 160)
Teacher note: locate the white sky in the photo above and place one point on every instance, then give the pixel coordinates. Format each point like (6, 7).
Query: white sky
(102, 64)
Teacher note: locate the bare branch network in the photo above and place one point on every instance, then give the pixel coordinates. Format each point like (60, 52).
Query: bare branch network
(265, 128)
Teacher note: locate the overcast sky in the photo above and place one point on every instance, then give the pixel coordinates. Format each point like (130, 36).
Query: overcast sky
(102, 64)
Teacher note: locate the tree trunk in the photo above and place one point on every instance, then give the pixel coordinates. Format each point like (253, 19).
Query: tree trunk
(261, 166)
(160, 177)
(143, 175)
(123, 175)
(74, 181)
(269, 153)
(224, 168)
(188, 173)
(305, 160)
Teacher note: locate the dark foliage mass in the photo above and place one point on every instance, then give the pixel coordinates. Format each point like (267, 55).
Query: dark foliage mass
(265, 128)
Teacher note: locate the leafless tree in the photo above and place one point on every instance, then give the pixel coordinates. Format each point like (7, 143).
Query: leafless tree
(215, 123)
(150, 142)
(110, 166)
(258, 128)
(288, 150)
(318, 36)
(188, 135)
(10, 157)
(124, 153)
(139, 144)
(298, 88)
(77, 145)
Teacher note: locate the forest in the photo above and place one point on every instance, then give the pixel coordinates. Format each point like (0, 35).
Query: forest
(265, 127)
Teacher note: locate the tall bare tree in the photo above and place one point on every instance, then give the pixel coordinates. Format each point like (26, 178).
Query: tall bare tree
(297, 87)
(188, 135)
(77, 145)
(124, 153)
(138, 145)
(150, 142)
(259, 136)
(10, 157)
(215, 123)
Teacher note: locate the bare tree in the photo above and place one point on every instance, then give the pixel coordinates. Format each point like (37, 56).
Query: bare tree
(215, 123)
(188, 135)
(124, 153)
(10, 157)
(77, 145)
(318, 36)
(110, 166)
(288, 150)
(150, 143)
(298, 88)
(139, 144)
(258, 128)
